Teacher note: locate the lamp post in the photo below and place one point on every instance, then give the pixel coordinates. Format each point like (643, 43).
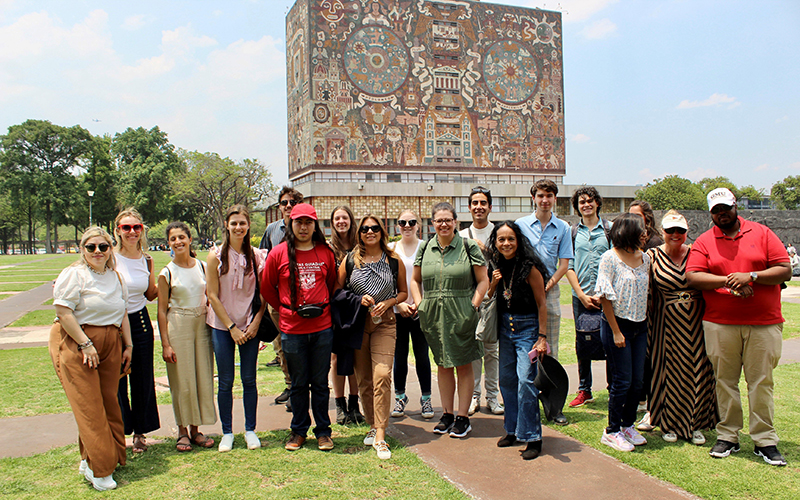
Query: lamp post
(91, 194)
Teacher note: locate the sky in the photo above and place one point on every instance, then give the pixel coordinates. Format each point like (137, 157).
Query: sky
(698, 88)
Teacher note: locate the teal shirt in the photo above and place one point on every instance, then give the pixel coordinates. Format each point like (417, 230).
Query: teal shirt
(590, 245)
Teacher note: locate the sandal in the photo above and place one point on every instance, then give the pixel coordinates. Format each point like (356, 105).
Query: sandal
(182, 447)
(206, 442)
(139, 444)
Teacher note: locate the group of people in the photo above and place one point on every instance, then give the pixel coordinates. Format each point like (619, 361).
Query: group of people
(675, 324)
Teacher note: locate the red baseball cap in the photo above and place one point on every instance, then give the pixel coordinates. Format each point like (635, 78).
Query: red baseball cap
(303, 210)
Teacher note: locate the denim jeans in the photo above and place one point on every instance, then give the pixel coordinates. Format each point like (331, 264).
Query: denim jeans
(224, 352)
(626, 365)
(516, 335)
(407, 327)
(309, 358)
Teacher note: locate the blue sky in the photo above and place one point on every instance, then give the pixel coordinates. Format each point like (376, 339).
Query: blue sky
(695, 88)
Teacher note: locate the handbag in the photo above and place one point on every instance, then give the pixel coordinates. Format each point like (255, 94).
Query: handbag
(486, 331)
(588, 344)
(267, 331)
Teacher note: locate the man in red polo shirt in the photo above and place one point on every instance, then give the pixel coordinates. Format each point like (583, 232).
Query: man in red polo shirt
(739, 265)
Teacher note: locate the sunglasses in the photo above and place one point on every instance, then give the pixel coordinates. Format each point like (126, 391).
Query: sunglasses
(91, 247)
(674, 230)
(404, 223)
(481, 190)
(365, 229)
(288, 202)
(131, 227)
(718, 209)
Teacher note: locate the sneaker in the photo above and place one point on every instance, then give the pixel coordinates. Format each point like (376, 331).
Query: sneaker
(226, 443)
(460, 428)
(475, 405)
(384, 453)
(644, 423)
(283, 397)
(369, 439)
(253, 443)
(494, 406)
(634, 437)
(324, 443)
(669, 437)
(617, 441)
(427, 407)
(400, 407)
(295, 442)
(82, 468)
(770, 454)
(698, 438)
(99, 483)
(581, 399)
(445, 423)
(722, 449)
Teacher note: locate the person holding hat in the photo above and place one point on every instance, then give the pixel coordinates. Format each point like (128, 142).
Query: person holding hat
(299, 279)
(682, 401)
(518, 277)
(738, 265)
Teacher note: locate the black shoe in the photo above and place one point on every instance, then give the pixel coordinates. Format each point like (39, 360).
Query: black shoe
(283, 397)
(460, 428)
(722, 449)
(770, 454)
(354, 412)
(288, 407)
(342, 417)
(275, 362)
(559, 419)
(445, 423)
(533, 450)
(507, 441)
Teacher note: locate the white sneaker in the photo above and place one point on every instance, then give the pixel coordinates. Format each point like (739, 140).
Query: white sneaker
(475, 405)
(669, 437)
(698, 438)
(644, 423)
(82, 468)
(99, 483)
(253, 443)
(427, 407)
(226, 443)
(616, 441)
(494, 406)
(369, 439)
(633, 436)
(384, 453)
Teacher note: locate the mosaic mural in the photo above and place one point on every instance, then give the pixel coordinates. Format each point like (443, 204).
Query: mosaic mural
(424, 84)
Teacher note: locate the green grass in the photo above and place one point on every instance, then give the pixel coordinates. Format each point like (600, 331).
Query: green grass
(20, 287)
(48, 302)
(39, 317)
(791, 313)
(4, 296)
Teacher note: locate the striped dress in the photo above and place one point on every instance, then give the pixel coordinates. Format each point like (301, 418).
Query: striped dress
(683, 398)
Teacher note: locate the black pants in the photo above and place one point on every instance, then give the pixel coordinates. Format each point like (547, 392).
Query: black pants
(140, 413)
(407, 327)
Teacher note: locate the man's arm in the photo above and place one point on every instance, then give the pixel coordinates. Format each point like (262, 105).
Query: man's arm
(775, 275)
(563, 264)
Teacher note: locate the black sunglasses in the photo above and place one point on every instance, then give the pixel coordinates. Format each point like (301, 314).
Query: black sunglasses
(102, 246)
(288, 202)
(719, 208)
(365, 229)
(481, 190)
(674, 230)
(404, 223)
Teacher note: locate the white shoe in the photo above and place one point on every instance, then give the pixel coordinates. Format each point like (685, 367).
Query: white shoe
(617, 441)
(494, 406)
(474, 405)
(670, 437)
(99, 483)
(226, 443)
(369, 439)
(82, 468)
(698, 438)
(384, 453)
(253, 443)
(644, 423)
(633, 436)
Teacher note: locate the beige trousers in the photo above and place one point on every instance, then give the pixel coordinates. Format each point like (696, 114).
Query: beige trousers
(373, 367)
(276, 345)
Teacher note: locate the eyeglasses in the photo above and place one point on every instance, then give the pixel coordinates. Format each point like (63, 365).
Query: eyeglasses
(127, 228)
(404, 223)
(443, 222)
(283, 203)
(91, 247)
(365, 229)
(674, 230)
(719, 208)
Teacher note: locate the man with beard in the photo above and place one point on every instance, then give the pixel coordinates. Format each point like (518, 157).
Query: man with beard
(739, 265)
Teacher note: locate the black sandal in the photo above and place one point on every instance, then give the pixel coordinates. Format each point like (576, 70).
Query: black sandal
(206, 442)
(183, 447)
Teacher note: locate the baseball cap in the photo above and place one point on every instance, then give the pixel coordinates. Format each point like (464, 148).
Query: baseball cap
(674, 220)
(303, 210)
(721, 196)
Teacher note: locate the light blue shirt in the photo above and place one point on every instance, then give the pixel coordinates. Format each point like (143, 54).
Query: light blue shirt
(590, 245)
(552, 242)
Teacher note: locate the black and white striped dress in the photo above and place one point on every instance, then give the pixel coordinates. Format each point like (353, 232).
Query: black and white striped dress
(373, 279)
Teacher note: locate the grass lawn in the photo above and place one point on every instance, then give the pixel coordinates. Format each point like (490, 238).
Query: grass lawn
(39, 317)
(19, 287)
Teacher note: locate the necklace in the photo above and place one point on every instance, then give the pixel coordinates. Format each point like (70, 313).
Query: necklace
(96, 271)
(507, 286)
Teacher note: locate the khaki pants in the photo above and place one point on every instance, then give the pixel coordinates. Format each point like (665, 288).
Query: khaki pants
(92, 394)
(757, 349)
(373, 367)
(276, 345)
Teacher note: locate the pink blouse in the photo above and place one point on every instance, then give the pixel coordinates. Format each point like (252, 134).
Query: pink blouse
(236, 290)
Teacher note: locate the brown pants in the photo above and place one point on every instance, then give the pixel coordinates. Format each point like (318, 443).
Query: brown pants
(92, 394)
(373, 366)
(276, 345)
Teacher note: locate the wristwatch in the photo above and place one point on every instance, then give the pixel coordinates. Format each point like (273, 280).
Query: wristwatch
(753, 276)
(233, 325)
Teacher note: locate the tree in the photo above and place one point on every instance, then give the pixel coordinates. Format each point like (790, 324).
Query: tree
(673, 192)
(751, 193)
(709, 184)
(786, 193)
(101, 177)
(148, 167)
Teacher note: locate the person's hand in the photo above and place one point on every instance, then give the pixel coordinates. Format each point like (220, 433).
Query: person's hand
(619, 339)
(90, 357)
(737, 280)
(745, 292)
(549, 285)
(496, 277)
(379, 309)
(126, 359)
(238, 336)
(168, 354)
(404, 310)
(541, 345)
(367, 301)
(252, 329)
(589, 302)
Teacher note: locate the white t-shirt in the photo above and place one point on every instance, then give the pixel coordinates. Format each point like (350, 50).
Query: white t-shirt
(187, 285)
(95, 299)
(136, 276)
(408, 261)
(481, 235)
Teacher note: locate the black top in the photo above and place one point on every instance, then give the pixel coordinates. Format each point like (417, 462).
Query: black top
(522, 299)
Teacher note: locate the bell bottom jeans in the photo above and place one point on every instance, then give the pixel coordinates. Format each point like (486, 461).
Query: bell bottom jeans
(516, 335)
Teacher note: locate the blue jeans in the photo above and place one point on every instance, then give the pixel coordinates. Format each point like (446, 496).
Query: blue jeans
(308, 356)
(224, 352)
(516, 335)
(626, 365)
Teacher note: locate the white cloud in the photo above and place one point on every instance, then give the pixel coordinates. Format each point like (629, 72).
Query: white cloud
(599, 30)
(782, 119)
(134, 23)
(580, 138)
(701, 173)
(573, 10)
(763, 166)
(714, 100)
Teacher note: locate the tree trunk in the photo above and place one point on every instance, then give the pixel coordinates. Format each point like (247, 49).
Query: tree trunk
(48, 215)
(55, 238)
(30, 232)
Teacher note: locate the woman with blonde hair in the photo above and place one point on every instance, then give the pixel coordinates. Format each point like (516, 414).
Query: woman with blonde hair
(140, 411)
(89, 342)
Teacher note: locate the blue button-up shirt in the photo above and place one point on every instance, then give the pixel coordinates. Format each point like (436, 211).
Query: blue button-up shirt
(552, 242)
(590, 245)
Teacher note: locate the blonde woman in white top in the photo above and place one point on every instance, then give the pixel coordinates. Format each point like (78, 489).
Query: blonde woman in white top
(186, 339)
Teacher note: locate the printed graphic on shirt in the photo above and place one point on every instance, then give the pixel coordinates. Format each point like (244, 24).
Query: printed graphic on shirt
(308, 274)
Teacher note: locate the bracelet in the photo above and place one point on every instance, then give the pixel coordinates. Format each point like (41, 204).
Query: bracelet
(86, 344)
(129, 345)
(543, 336)
(233, 325)
(395, 300)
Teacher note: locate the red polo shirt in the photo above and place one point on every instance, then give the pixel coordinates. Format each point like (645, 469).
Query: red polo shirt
(754, 248)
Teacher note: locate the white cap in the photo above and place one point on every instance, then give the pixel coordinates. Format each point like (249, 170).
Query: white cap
(674, 220)
(721, 196)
